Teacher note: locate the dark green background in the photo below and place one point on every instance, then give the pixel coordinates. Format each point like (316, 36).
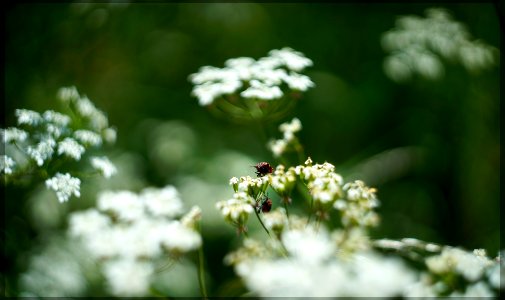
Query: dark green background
(133, 62)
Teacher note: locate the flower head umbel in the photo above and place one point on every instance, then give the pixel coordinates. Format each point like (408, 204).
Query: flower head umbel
(244, 87)
(127, 233)
(416, 46)
(49, 139)
(65, 186)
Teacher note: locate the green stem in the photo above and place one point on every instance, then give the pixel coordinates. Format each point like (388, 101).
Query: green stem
(201, 268)
(261, 222)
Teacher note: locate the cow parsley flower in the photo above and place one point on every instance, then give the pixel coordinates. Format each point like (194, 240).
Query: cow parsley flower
(6, 164)
(289, 140)
(416, 45)
(103, 165)
(88, 137)
(56, 118)
(162, 202)
(127, 277)
(28, 117)
(43, 151)
(13, 134)
(262, 79)
(70, 148)
(127, 233)
(65, 186)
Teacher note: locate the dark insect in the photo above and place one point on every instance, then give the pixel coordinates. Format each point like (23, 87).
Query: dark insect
(263, 168)
(265, 206)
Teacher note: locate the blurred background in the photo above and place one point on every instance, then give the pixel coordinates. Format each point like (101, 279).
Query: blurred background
(430, 147)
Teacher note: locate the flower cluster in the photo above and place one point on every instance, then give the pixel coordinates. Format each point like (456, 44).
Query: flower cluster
(305, 262)
(128, 232)
(416, 44)
(43, 140)
(354, 201)
(289, 140)
(251, 79)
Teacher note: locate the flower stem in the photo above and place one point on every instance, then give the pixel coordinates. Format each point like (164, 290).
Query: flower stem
(261, 222)
(201, 269)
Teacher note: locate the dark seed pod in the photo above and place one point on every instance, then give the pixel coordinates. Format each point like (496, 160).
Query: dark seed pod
(263, 168)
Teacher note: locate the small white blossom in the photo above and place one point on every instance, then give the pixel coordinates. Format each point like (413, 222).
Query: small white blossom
(68, 94)
(298, 82)
(262, 91)
(288, 129)
(309, 245)
(238, 208)
(104, 165)
(110, 135)
(128, 277)
(162, 202)
(13, 134)
(28, 117)
(278, 147)
(292, 59)
(87, 223)
(177, 237)
(192, 217)
(6, 164)
(43, 151)
(457, 260)
(88, 137)
(126, 205)
(56, 118)
(70, 148)
(85, 107)
(65, 186)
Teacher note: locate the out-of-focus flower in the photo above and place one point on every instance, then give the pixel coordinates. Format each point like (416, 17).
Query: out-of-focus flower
(416, 45)
(104, 165)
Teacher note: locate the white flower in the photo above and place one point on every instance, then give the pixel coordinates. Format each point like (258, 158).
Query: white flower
(292, 59)
(125, 204)
(104, 165)
(308, 245)
(43, 151)
(88, 137)
(70, 148)
(177, 237)
(383, 277)
(28, 117)
(13, 134)
(476, 290)
(68, 94)
(110, 135)
(87, 223)
(162, 202)
(238, 208)
(262, 91)
(288, 129)
(85, 107)
(56, 118)
(6, 164)
(194, 215)
(457, 260)
(278, 147)
(261, 79)
(128, 277)
(298, 82)
(65, 186)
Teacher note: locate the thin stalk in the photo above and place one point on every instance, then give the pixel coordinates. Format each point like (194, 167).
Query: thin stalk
(201, 268)
(261, 222)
